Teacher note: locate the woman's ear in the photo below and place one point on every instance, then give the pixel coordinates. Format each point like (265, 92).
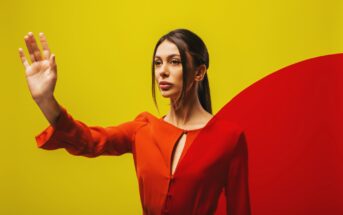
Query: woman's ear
(200, 72)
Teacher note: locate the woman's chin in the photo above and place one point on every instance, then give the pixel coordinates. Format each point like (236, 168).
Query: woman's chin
(167, 94)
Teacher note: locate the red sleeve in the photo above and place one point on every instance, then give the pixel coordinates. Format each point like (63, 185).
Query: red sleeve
(237, 187)
(90, 141)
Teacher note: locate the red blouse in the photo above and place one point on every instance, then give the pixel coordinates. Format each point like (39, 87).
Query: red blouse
(214, 161)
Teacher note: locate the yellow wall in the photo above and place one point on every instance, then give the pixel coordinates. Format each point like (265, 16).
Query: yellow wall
(103, 52)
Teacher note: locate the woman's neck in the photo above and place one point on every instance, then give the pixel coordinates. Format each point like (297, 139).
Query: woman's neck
(191, 114)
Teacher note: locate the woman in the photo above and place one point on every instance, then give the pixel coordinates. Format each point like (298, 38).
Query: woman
(179, 169)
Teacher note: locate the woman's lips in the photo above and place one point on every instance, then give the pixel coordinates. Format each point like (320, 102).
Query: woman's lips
(165, 86)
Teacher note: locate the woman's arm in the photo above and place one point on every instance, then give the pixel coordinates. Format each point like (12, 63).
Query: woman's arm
(79, 138)
(237, 187)
(64, 131)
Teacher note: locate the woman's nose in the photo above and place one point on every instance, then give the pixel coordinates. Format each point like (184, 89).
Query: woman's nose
(164, 70)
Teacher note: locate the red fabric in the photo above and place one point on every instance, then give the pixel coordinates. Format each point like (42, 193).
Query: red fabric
(293, 120)
(214, 161)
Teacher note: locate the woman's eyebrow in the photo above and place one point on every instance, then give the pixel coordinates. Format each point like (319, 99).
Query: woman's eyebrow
(169, 56)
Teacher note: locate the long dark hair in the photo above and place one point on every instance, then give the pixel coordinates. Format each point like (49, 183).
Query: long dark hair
(188, 42)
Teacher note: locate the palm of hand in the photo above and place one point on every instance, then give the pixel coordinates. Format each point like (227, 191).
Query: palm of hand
(40, 78)
(41, 74)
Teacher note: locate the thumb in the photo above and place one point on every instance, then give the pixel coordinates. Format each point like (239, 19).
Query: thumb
(52, 61)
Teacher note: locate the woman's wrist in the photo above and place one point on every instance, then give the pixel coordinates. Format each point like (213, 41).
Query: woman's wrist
(50, 108)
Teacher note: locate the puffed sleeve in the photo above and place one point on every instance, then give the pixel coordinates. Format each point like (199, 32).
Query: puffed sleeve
(80, 139)
(237, 187)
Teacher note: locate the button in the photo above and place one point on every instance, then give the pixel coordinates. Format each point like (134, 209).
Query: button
(165, 211)
(169, 196)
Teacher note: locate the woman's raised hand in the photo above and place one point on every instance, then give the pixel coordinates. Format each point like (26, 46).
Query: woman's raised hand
(41, 74)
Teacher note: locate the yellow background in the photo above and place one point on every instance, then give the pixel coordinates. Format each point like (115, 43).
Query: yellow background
(103, 52)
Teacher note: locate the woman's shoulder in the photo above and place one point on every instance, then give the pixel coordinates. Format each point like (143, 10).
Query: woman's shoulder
(145, 116)
(230, 126)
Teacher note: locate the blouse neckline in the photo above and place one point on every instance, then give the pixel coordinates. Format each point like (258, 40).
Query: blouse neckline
(181, 129)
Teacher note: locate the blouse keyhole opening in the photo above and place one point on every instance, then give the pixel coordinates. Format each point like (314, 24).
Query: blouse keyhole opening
(177, 151)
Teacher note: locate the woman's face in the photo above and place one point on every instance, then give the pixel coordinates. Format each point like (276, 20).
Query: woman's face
(168, 68)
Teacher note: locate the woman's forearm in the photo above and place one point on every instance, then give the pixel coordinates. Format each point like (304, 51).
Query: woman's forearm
(50, 108)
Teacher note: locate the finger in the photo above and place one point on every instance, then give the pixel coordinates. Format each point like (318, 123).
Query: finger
(52, 62)
(34, 46)
(23, 58)
(44, 42)
(29, 48)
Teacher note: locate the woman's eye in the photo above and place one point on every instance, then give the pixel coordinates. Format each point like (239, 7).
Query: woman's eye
(175, 61)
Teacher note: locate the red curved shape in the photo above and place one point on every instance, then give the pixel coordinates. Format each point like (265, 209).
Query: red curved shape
(293, 122)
